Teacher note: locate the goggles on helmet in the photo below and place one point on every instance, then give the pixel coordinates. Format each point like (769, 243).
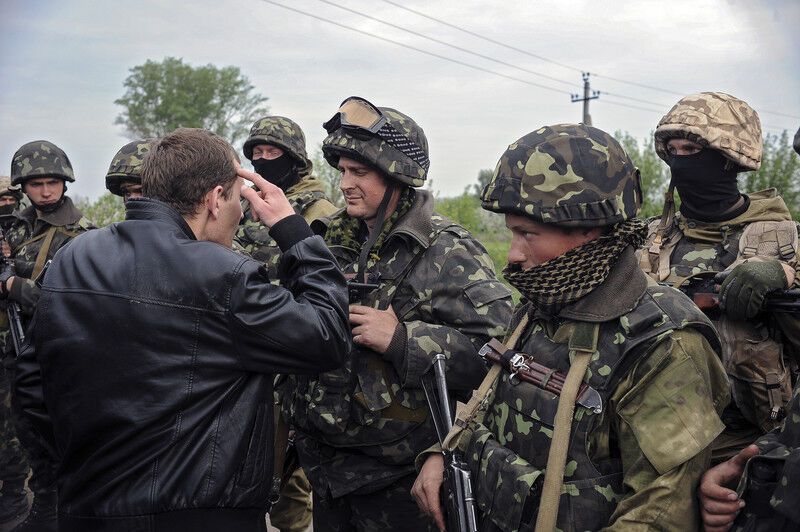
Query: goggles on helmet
(359, 117)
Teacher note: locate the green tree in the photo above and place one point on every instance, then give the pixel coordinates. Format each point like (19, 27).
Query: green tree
(780, 168)
(162, 96)
(484, 176)
(107, 209)
(655, 174)
(329, 175)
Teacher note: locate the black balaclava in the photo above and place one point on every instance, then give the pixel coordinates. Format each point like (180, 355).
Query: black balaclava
(706, 183)
(52, 207)
(281, 171)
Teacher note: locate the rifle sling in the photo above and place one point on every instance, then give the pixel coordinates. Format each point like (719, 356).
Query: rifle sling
(582, 345)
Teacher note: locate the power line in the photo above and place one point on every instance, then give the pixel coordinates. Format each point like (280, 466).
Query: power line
(478, 35)
(456, 47)
(426, 52)
(564, 65)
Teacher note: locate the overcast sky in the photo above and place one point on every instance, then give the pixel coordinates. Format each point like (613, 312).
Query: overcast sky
(63, 64)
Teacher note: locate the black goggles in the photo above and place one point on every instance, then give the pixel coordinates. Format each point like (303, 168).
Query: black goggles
(357, 115)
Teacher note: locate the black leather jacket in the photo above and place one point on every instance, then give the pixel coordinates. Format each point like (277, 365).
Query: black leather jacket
(156, 354)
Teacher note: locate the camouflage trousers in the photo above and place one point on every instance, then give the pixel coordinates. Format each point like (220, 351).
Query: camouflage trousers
(13, 463)
(292, 512)
(391, 509)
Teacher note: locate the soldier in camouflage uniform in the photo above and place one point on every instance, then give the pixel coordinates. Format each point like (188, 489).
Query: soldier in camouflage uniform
(419, 285)
(124, 176)
(706, 139)
(767, 474)
(13, 465)
(570, 195)
(42, 169)
(277, 148)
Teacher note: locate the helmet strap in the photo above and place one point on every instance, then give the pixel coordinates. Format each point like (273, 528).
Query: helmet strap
(380, 217)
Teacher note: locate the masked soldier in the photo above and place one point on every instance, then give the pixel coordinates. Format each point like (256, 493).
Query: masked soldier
(765, 477)
(419, 285)
(628, 451)
(13, 465)
(706, 139)
(42, 169)
(277, 148)
(124, 177)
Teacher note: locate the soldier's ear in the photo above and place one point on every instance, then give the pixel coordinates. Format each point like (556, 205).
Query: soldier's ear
(213, 201)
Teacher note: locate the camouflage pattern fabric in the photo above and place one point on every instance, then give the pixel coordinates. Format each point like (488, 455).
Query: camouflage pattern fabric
(379, 153)
(361, 427)
(659, 413)
(127, 165)
(389, 509)
(716, 120)
(750, 348)
(283, 133)
(569, 174)
(13, 463)
(40, 158)
(307, 198)
(769, 485)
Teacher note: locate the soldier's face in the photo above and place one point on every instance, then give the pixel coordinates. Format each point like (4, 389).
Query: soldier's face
(266, 151)
(6, 200)
(363, 188)
(130, 190)
(534, 243)
(681, 147)
(44, 190)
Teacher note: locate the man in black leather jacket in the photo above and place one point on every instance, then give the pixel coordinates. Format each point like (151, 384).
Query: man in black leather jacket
(151, 363)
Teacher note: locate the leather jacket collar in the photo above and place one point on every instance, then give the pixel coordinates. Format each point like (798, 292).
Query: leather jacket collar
(152, 209)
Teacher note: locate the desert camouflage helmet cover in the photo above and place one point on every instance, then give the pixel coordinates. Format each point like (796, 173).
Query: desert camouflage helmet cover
(127, 165)
(283, 133)
(6, 188)
(40, 158)
(379, 153)
(717, 120)
(567, 174)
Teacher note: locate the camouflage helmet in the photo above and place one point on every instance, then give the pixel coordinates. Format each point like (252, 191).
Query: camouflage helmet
(572, 175)
(716, 120)
(283, 133)
(379, 153)
(40, 158)
(7, 189)
(127, 165)
(797, 141)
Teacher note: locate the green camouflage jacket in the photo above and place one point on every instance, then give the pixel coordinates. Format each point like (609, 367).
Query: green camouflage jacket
(752, 349)
(362, 426)
(28, 237)
(308, 199)
(771, 484)
(637, 462)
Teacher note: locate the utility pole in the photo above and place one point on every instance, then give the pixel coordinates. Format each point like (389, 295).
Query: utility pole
(588, 94)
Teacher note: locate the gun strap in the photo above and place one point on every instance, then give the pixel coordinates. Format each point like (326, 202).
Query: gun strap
(465, 415)
(582, 345)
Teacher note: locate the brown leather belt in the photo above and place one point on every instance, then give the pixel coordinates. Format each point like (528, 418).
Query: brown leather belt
(524, 368)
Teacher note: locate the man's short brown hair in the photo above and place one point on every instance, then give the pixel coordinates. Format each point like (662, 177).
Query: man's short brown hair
(184, 165)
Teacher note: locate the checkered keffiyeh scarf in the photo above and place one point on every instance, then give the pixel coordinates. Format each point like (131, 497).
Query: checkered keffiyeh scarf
(567, 278)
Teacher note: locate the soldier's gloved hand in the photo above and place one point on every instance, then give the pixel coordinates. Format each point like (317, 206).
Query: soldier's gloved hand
(6, 273)
(743, 290)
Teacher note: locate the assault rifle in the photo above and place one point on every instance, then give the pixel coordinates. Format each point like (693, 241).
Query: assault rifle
(457, 500)
(703, 290)
(12, 307)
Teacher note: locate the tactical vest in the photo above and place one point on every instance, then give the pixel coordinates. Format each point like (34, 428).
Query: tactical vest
(753, 357)
(364, 400)
(508, 451)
